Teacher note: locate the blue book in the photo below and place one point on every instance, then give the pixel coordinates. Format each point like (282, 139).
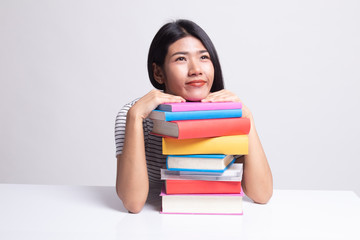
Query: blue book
(193, 115)
(216, 163)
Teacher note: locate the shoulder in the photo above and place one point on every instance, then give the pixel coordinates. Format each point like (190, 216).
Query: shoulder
(121, 117)
(127, 106)
(124, 110)
(120, 120)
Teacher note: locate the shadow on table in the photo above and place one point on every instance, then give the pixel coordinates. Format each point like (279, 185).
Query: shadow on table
(247, 199)
(154, 199)
(106, 196)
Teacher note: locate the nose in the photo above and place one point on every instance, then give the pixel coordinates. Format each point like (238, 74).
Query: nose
(194, 68)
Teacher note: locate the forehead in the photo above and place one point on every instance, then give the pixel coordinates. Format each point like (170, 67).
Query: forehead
(186, 44)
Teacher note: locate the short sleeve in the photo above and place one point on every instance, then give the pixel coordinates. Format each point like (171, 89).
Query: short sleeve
(120, 124)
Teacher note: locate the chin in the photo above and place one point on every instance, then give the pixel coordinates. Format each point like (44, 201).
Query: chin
(194, 98)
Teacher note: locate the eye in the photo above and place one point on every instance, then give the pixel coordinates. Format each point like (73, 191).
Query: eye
(203, 57)
(180, 59)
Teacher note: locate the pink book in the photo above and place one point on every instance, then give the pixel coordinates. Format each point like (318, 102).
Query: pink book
(209, 204)
(198, 106)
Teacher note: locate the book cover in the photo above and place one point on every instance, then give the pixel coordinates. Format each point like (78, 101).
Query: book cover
(222, 204)
(193, 115)
(198, 106)
(200, 163)
(200, 186)
(201, 128)
(228, 145)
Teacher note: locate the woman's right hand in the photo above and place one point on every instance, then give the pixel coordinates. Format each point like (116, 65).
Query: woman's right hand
(143, 107)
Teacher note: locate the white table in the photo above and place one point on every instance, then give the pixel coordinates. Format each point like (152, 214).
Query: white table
(81, 212)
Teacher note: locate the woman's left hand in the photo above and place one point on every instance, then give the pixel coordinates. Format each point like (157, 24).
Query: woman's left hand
(227, 96)
(221, 96)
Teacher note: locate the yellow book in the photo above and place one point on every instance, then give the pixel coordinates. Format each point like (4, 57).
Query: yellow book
(229, 145)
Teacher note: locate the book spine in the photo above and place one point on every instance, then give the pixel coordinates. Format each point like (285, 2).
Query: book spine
(213, 127)
(211, 114)
(229, 145)
(198, 169)
(203, 187)
(180, 107)
(219, 156)
(192, 213)
(241, 194)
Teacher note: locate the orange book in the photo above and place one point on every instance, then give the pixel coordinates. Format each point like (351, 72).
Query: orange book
(202, 128)
(199, 186)
(228, 145)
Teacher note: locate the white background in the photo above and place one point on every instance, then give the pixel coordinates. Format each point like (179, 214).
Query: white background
(67, 67)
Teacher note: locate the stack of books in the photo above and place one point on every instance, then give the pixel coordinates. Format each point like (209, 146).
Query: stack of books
(200, 140)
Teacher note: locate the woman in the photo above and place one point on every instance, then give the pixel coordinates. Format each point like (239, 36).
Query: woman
(183, 66)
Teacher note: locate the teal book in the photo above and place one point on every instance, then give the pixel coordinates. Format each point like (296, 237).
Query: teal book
(194, 115)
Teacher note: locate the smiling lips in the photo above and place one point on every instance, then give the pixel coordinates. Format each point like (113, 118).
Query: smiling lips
(196, 83)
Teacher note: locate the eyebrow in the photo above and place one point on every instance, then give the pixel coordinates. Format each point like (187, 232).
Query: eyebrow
(186, 53)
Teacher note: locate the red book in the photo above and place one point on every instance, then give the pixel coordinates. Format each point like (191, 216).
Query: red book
(199, 186)
(202, 128)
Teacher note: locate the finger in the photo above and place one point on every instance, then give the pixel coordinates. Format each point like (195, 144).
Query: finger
(223, 92)
(172, 98)
(214, 94)
(211, 97)
(222, 98)
(171, 95)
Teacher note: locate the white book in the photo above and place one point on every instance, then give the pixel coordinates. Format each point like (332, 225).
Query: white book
(204, 162)
(233, 173)
(228, 204)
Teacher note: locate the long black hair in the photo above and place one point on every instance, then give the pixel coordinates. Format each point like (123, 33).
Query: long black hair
(170, 33)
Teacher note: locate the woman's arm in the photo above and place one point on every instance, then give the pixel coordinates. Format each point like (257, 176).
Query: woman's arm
(132, 182)
(257, 181)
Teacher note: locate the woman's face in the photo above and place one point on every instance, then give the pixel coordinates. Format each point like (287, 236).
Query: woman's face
(188, 71)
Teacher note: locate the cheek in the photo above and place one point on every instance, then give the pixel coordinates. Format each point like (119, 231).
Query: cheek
(211, 72)
(209, 68)
(175, 75)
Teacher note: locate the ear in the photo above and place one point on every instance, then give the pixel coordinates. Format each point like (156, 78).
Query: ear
(158, 74)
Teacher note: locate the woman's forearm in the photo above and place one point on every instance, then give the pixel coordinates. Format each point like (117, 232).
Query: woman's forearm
(132, 184)
(257, 178)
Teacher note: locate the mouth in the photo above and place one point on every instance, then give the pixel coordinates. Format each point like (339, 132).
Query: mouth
(196, 83)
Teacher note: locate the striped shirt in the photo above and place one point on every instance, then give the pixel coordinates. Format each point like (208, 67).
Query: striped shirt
(153, 144)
